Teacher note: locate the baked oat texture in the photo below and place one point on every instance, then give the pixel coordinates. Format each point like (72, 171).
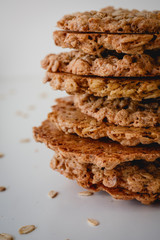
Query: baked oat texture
(120, 111)
(136, 89)
(112, 65)
(70, 120)
(103, 154)
(136, 179)
(98, 44)
(112, 20)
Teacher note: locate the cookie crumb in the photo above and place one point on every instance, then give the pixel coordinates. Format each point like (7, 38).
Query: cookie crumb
(25, 140)
(43, 95)
(52, 194)
(93, 222)
(1, 155)
(31, 107)
(36, 150)
(26, 229)
(22, 114)
(85, 193)
(2, 188)
(5, 236)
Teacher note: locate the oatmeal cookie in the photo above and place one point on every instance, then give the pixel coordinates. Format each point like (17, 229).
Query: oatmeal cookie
(112, 20)
(103, 164)
(120, 111)
(98, 44)
(112, 65)
(134, 88)
(70, 120)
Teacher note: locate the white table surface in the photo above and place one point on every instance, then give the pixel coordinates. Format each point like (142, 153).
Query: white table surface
(25, 171)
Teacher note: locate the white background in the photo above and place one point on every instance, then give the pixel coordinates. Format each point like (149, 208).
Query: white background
(26, 37)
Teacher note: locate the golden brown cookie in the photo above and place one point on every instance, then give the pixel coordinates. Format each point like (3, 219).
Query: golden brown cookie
(112, 20)
(134, 88)
(120, 111)
(129, 180)
(102, 152)
(112, 165)
(98, 43)
(70, 120)
(112, 65)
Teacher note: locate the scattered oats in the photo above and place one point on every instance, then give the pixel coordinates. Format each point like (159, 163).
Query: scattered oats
(1, 155)
(52, 194)
(22, 114)
(5, 236)
(2, 188)
(25, 115)
(85, 193)
(43, 95)
(25, 140)
(19, 113)
(27, 229)
(31, 107)
(93, 222)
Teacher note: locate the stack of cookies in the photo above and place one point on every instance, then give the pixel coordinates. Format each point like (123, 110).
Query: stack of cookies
(106, 135)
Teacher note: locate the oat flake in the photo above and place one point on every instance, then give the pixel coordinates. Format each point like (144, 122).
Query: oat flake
(25, 140)
(1, 155)
(2, 188)
(85, 193)
(5, 236)
(52, 194)
(26, 229)
(93, 222)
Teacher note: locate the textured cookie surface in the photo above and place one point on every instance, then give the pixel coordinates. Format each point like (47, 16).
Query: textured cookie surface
(136, 179)
(102, 152)
(97, 44)
(136, 89)
(112, 65)
(120, 111)
(70, 120)
(102, 157)
(112, 20)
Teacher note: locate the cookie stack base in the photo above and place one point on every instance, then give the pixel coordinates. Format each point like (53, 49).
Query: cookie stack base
(124, 172)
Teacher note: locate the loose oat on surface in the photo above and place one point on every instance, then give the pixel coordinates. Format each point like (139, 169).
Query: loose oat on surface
(85, 193)
(5, 236)
(22, 114)
(93, 222)
(1, 155)
(43, 95)
(26, 229)
(31, 107)
(2, 188)
(52, 194)
(25, 140)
